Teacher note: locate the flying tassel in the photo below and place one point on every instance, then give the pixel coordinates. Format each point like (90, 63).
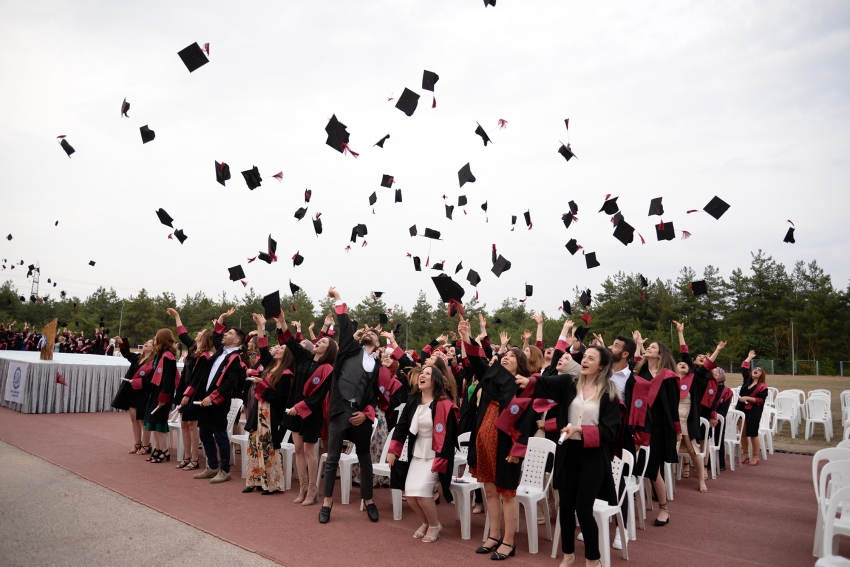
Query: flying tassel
(608, 196)
(373, 211)
(693, 211)
(293, 307)
(427, 261)
(409, 255)
(278, 176)
(391, 97)
(530, 225)
(642, 240)
(63, 135)
(251, 259)
(586, 318)
(643, 296)
(494, 254)
(685, 235)
(476, 294)
(434, 104)
(273, 256)
(522, 300)
(348, 248)
(464, 211)
(345, 149)
(207, 49)
(789, 220)
(502, 123)
(661, 226)
(244, 283)
(364, 244)
(169, 237)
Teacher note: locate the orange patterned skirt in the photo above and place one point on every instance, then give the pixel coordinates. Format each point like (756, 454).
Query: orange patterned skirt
(486, 447)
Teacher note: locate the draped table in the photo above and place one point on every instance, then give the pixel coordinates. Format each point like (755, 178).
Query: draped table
(92, 381)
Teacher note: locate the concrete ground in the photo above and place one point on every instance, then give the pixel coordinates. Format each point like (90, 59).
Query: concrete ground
(49, 516)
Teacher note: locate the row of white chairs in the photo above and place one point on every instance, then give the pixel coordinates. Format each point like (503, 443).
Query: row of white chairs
(831, 479)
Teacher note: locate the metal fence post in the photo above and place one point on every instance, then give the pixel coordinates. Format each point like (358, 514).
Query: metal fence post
(841, 368)
(817, 368)
(772, 369)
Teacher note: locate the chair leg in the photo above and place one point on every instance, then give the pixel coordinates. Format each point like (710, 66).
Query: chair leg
(624, 539)
(557, 535)
(345, 481)
(531, 525)
(604, 539)
(396, 494)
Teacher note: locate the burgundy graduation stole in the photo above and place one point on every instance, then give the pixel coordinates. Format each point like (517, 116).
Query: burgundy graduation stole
(759, 389)
(141, 372)
(710, 393)
(506, 422)
(446, 409)
(317, 379)
(227, 363)
(685, 383)
(643, 397)
(157, 375)
(725, 395)
(387, 386)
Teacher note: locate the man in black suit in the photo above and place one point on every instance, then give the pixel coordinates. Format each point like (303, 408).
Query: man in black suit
(215, 384)
(353, 397)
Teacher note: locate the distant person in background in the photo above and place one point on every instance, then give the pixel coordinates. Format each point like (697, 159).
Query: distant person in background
(132, 395)
(751, 402)
(161, 393)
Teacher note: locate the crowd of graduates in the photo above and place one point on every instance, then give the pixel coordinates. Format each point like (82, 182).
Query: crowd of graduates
(27, 338)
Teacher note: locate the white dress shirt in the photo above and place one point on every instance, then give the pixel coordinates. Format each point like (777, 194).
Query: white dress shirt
(217, 364)
(620, 377)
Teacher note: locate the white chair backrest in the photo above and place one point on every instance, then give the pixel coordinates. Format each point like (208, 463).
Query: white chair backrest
(846, 433)
(235, 406)
(715, 439)
(287, 436)
(845, 399)
(734, 425)
(825, 456)
(386, 448)
(768, 417)
(617, 471)
(627, 465)
(403, 456)
(840, 500)
(771, 395)
(639, 474)
(534, 465)
(844, 444)
(834, 476)
(787, 407)
(817, 408)
(801, 395)
(399, 409)
(463, 443)
(709, 436)
(820, 391)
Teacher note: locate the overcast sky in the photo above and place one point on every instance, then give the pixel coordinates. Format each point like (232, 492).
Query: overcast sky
(749, 101)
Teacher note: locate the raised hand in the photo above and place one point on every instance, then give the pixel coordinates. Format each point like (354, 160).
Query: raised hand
(568, 325)
(679, 326)
(752, 355)
(504, 338)
(173, 312)
(329, 320)
(538, 318)
(526, 334)
(442, 338)
(721, 345)
(226, 314)
(388, 335)
(312, 324)
(332, 292)
(463, 329)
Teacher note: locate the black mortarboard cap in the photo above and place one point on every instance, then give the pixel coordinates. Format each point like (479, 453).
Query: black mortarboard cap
(656, 207)
(417, 264)
(308, 193)
(585, 298)
(271, 304)
(361, 230)
(298, 259)
(437, 266)
(387, 181)
(265, 257)
(513, 220)
(91, 262)
(252, 178)
(617, 218)
(448, 288)
(67, 147)
(568, 219)
(624, 232)
(377, 293)
(383, 319)
(465, 175)
(293, 288)
(716, 207)
(164, 218)
(699, 287)
(373, 198)
(529, 289)
(567, 152)
(180, 235)
(573, 207)
(449, 210)
(461, 201)
(590, 260)
(125, 108)
(527, 215)
(271, 245)
(299, 214)
(429, 79)
(789, 236)
(222, 172)
(9, 237)
(397, 330)
(480, 131)
(380, 143)
(665, 231)
(398, 195)
(317, 226)
(610, 206)
(484, 206)
(337, 134)
(568, 309)
(407, 102)
(412, 230)
(147, 134)
(459, 267)
(643, 281)
(193, 57)
(581, 332)
(497, 320)
(572, 246)
(500, 265)
(432, 234)
(236, 273)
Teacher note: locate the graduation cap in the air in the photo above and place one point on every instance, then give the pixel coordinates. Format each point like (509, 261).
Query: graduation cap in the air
(387, 181)
(377, 294)
(480, 131)
(656, 207)
(610, 206)
(398, 195)
(567, 152)
(487, 4)
(566, 307)
(624, 232)
(147, 134)
(459, 267)
(716, 207)
(438, 266)
(465, 175)
(252, 178)
(299, 214)
(407, 102)
(449, 210)
(317, 224)
(236, 273)
(293, 288)
(180, 235)
(66, 146)
(665, 231)
(615, 220)
(500, 265)
(529, 290)
(568, 219)
(308, 194)
(193, 57)
(125, 108)
(383, 319)
(9, 237)
(297, 259)
(62, 294)
(338, 136)
(461, 201)
(585, 298)
(373, 198)
(222, 172)
(56, 223)
(513, 222)
(91, 262)
(581, 332)
(789, 236)
(590, 260)
(698, 287)
(417, 264)
(528, 223)
(164, 218)
(573, 246)
(412, 230)
(643, 281)
(265, 257)
(271, 305)
(380, 143)
(448, 288)
(434, 234)
(429, 79)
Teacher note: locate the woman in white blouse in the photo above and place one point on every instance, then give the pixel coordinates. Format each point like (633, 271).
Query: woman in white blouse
(588, 412)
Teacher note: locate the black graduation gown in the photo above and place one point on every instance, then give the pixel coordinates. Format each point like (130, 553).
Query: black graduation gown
(563, 389)
(165, 368)
(190, 410)
(126, 397)
(305, 366)
(276, 397)
(752, 416)
(348, 348)
(228, 377)
(662, 420)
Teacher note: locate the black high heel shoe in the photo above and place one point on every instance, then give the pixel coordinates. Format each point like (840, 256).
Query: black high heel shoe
(659, 523)
(159, 456)
(501, 557)
(152, 458)
(482, 550)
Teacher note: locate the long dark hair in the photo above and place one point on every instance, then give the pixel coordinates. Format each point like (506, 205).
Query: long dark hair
(448, 378)
(203, 344)
(329, 356)
(665, 359)
(521, 362)
(274, 372)
(164, 340)
(438, 379)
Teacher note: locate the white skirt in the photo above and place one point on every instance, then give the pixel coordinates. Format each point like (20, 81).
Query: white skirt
(420, 480)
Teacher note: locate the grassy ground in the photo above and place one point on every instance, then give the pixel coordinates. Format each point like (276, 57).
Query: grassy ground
(783, 441)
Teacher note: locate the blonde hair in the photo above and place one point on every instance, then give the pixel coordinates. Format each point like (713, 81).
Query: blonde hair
(604, 384)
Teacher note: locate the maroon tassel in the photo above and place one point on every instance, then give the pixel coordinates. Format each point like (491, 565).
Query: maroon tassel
(348, 248)
(345, 149)
(643, 296)
(661, 226)
(364, 244)
(522, 300)
(207, 48)
(293, 307)
(476, 294)
(567, 124)
(251, 259)
(685, 235)
(642, 241)
(502, 123)
(789, 220)
(693, 211)
(409, 255)
(244, 283)
(169, 237)
(373, 211)
(427, 261)
(63, 135)
(434, 104)
(274, 256)
(278, 176)
(530, 226)
(586, 318)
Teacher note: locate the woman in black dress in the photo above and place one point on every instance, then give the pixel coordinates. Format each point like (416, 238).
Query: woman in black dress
(305, 404)
(200, 349)
(751, 402)
(652, 399)
(161, 393)
(133, 392)
(589, 413)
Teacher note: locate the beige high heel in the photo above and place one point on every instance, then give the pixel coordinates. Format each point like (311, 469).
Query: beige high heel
(302, 493)
(312, 492)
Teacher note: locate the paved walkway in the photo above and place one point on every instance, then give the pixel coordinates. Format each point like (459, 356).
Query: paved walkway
(49, 516)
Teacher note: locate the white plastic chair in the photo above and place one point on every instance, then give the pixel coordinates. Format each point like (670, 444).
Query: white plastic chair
(766, 426)
(287, 458)
(787, 409)
(771, 395)
(824, 456)
(462, 490)
(845, 406)
(346, 460)
(700, 448)
(834, 476)
(533, 486)
(844, 444)
(818, 411)
(732, 436)
(381, 468)
(636, 486)
(714, 447)
(838, 503)
(174, 425)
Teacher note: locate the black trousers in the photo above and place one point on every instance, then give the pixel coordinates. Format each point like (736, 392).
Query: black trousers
(584, 472)
(338, 430)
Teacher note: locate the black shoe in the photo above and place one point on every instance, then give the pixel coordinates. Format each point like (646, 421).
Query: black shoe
(248, 489)
(482, 550)
(324, 514)
(372, 511)
(723, 467)
(500, 557)
(267, 492)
